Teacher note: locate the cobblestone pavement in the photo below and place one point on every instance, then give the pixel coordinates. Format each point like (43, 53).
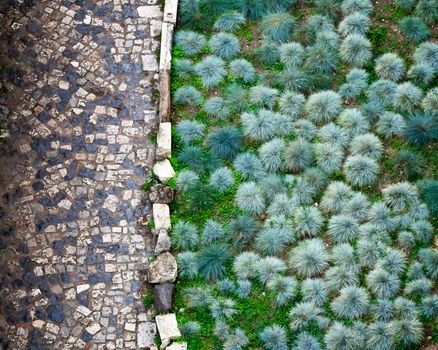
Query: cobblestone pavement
(77, 96)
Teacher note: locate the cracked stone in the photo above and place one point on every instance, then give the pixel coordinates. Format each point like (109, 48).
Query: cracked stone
(163, 269)
(161, 193)
(146, 332)
(163, 242)
(163, 297)
(164, 170)
(167, 327)
(161, 214)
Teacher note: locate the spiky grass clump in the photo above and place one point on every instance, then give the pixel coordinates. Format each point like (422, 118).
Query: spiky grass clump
(355, 85)
(334, 135)
(268, 53)
(292, 54)
(336, 197)
(236, 97)
(243, 69)
(357, 207)
(364, 7)
(407, 97)
(236, 341)
(322, 107)
(338, 277)
(298, 155)
(430, 101)
(423, 231)
(229, 21)
(291, 103)
(249, 166)
(421, 287)
(429, 194)
(328, 157)
(185, 235)
(284, 288)
(306, 341)
(394, 261)
(429, 259)
(190, 42)
(352, 120)
(317, 24)
(263, 96)
(407, 5)
(196, 297)
(380, 336)
(414, 29)
(221, 179)
(277, 26)
(381, 217)
(355, 50)
(190, 130)
(304, 315)
(217, 107)
(421, 73)
(340, 337)
(271, 155)
(390, 66)
(270, 242)
(184, 68)
(243, 289)
(268, 268)
(260, 127)
(244, 265)
(305, 129)
(315, 178)
(280, 205)
(242, 229)
(355, 23)
(271, 186)
(320, 59)
(400, 196)
(427, 10)
(391, 125)
(308, 221)
(427, 53)
(381, 92)
(190, 328)
(343, 255)
(211, 70)
(422, 129)
(186, 179)
(407, 332)
(309, 258)
(292, 78)
(328, 38)
(224, 45)
(274, 338)
(353, 302)
(367, 145)
(222, 308)
(212, 261)
(187, 95)
(383, 310)
(188, 265)
(225, 142)
(383, 284)
(429, 306)
(360, 170)
(342, 228)
(249, 198)
(212, 232)
(314, 290)
(252, 9)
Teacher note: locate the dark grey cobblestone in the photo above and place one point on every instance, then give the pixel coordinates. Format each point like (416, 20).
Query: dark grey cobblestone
(77, 85)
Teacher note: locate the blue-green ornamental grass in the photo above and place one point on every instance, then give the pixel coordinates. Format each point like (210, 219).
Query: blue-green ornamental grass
(301, 218)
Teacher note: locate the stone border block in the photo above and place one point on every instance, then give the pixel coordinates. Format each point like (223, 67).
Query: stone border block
(161, 213)
(170, 11)
(167, 327)
(164, 170)
(164, 141)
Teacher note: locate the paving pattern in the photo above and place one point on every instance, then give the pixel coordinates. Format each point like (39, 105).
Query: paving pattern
(78, 80)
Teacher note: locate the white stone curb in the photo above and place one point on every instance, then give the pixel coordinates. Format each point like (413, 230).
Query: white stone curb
(167, 325)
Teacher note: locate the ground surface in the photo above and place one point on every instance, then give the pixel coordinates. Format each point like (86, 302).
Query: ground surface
(77, 97)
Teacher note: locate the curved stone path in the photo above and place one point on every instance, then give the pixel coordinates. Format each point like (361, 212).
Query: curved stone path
(77, 90)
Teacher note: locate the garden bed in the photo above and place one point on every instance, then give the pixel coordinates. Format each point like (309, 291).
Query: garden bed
(305, 152)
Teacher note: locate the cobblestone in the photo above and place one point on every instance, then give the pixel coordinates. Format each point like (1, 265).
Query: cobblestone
(77, 99)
